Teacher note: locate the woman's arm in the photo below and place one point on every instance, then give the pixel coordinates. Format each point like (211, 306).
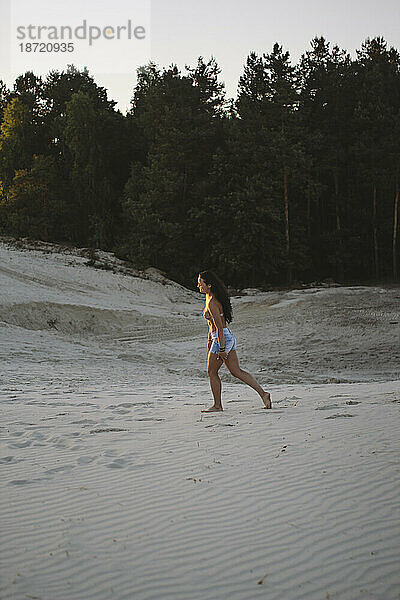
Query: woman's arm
(210, 340)
(213, 308)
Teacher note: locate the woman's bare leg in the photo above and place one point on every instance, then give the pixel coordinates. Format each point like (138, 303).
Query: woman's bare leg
(232, 362)
(213, 365)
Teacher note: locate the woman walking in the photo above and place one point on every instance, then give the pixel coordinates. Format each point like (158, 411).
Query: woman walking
(221, 341)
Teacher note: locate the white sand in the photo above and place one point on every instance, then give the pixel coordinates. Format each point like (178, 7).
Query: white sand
(115, 485)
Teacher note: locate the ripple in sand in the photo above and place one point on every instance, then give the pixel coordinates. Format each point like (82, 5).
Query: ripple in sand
(107, 430)
(23, 481)
(149, 419)
(339, 416)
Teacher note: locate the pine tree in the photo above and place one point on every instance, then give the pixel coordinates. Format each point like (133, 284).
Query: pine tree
(377, 120)
(326, 108)
(87, 149)
(176, 116)
(17, 141)
(34, 206)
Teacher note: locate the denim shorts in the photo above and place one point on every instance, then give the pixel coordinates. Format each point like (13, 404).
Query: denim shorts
(230, 341)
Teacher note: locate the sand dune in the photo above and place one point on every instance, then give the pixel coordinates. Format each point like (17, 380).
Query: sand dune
(115, 485)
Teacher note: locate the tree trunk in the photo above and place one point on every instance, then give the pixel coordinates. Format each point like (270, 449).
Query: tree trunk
(184, 188)
(318, 250)
(338, 228)
(376, 257)
(287, 232)
(286, 205)
(395, 221)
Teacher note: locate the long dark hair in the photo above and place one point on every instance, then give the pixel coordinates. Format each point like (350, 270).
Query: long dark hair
(219, 290)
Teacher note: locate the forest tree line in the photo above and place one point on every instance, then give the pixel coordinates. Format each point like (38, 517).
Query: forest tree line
(297, 179)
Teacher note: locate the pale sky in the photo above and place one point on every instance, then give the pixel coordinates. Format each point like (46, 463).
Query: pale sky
(181, 30)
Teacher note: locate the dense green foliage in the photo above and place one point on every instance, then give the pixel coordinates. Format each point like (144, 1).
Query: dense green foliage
(295, 179)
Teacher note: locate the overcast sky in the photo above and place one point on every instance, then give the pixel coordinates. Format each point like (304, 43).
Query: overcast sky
(181, 30)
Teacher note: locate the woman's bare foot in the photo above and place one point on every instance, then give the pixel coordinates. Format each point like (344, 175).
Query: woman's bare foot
(213, 409)
(266, 398)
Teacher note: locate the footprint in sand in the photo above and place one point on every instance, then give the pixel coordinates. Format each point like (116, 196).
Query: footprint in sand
(83, 422)
(59, 469)
(39, 435)
(7, 460)
(85, 460)
(118, 463)
(23, 481)
(20, 444)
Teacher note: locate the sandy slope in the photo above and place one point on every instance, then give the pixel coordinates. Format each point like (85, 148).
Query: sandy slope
(114, 485)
